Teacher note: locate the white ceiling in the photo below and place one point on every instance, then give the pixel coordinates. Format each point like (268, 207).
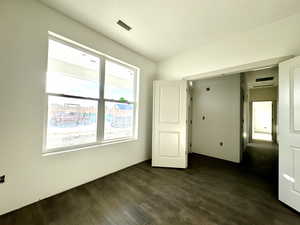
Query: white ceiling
(164, 28)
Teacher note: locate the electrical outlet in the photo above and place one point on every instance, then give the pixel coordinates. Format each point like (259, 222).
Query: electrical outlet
(2, 179)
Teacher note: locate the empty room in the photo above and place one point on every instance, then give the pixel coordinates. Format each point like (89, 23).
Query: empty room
(149, 112)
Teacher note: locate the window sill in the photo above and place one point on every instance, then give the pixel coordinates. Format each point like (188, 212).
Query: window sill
(87, 147)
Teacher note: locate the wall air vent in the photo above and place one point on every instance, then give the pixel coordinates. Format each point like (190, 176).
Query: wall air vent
(264, 79)
(263, 86)
(123, 25)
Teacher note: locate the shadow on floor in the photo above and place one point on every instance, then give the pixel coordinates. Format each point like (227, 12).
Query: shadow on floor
(262, 159)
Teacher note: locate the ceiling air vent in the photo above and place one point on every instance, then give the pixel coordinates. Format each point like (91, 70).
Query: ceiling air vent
(123, 25)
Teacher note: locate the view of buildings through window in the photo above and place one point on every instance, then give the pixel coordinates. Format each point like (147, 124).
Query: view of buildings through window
(77, 113)
(71, 122)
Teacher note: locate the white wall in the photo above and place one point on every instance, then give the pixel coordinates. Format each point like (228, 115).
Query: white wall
(221, 108)
(273, 40)
(23, 56)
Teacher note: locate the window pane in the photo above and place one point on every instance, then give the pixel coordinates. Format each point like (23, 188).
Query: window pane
(118, 120)
(119, 82)
(71, 122)
(262, 120)
(71, 71)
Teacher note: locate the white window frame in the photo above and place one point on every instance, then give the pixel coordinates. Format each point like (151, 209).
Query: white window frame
(101, 100)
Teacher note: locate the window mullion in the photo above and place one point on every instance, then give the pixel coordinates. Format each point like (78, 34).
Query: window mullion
(118, 101)
(101, 105)
(135, 104)
(72, 96)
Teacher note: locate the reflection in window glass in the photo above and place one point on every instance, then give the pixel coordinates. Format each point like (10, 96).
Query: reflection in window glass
(71, 122)
(118, 120)
(119, 82)
(71, 71)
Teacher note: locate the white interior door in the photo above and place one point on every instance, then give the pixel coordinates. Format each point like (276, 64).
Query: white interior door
(169, 139)
(289, 132)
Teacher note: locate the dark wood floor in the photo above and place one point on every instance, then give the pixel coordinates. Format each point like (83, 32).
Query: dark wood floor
(262, 159)
(209, 192)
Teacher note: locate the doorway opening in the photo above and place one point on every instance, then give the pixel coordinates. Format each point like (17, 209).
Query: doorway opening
(262, 117)
(234, 117)
(260, 151)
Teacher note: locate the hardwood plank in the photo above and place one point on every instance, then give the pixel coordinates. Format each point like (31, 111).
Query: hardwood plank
(209, 192)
